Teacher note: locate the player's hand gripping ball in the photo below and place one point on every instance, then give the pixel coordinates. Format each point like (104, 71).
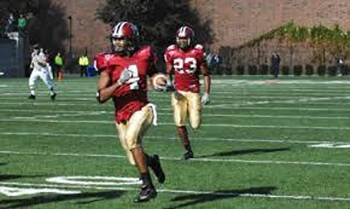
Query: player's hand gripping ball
(160, 82)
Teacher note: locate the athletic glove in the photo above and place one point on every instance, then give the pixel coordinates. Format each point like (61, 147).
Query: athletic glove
(205, 99)
(124, 76)
(170, 86)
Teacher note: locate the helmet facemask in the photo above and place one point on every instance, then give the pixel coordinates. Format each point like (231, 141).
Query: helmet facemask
(183, 43)
(122, 45)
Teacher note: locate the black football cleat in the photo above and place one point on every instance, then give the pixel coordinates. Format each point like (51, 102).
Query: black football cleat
(31, 96)
(53, 97)
(187, 155)
(157, 168)
(147, 192)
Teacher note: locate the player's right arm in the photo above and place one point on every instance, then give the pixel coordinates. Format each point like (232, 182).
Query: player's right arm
(169, 64)
(105, 86)
(105, 89)
(169, 71)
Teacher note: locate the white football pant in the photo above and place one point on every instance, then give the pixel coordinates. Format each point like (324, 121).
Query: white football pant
(44, 74)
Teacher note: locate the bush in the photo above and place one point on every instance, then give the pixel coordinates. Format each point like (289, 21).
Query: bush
(321, 70)
(240, 70)
(252, 70)
(218, 70)
(345, 70)
(309, 69)
(71, 65)
(332, 70)
(228, 70)
(285, 70)
(298, 70)
(263, 70)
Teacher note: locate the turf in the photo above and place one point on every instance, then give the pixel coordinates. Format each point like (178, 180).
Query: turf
(264, 143)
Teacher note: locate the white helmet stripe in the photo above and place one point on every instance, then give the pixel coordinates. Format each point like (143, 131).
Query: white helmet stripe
(117, 27)
(119, 30)
(182, 32)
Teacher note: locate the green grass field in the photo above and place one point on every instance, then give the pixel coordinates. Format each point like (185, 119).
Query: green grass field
(263, 143)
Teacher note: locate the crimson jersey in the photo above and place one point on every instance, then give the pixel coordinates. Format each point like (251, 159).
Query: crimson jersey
(186, 65)
(131, 96)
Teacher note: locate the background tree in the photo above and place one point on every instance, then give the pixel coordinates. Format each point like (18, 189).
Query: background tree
(47, 25)
(157, 20)
(292, 34)
(318, 41)
(337, 45)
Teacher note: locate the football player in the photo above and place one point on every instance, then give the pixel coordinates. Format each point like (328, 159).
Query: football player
(186, 60)
(41, 69)
(123, 78)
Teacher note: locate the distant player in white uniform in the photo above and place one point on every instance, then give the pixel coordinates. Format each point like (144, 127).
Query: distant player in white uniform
(41, 69)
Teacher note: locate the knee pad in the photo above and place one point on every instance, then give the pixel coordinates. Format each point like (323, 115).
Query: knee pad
(195, 125)
(130, 157)
(132, 143)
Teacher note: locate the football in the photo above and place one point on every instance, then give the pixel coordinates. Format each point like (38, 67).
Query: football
(159, 82)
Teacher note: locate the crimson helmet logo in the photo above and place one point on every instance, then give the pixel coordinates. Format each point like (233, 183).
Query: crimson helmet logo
(125, 29)
(185, 32)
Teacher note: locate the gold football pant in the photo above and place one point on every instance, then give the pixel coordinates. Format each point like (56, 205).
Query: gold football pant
(132, 131)
(186, 104)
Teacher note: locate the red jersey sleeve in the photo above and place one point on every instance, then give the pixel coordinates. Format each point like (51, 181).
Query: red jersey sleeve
(101, 62)
(199, 51)
(168, 54)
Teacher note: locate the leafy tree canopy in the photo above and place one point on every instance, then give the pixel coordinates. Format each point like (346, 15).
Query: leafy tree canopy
(47, 25)
(157, 20)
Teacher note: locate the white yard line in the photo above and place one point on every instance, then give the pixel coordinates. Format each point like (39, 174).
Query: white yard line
(29, 119)
(58, 115)
(239, 107)
(272, 82)
(6, 152)
(33, 103)
(224, 106)
(290, 101)
(176, 191)
(170, 114)
(289, 141)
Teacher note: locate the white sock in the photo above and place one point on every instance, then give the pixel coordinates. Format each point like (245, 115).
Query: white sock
(52, 92)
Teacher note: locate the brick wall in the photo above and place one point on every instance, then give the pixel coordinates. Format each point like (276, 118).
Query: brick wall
(238, 21)
(233, 21)
(87, 31)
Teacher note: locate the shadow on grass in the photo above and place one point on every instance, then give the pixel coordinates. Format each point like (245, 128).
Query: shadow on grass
(85, 198)
(193, 199)
(5, 177)
(244, 152)
(2, 164)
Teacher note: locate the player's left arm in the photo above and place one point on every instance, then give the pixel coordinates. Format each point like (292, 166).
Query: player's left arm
(207, 83)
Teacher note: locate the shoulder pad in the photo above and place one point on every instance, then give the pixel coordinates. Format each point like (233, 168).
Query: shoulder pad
(102, 60)
(199, 47)
(171, 47)
(145, 51)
